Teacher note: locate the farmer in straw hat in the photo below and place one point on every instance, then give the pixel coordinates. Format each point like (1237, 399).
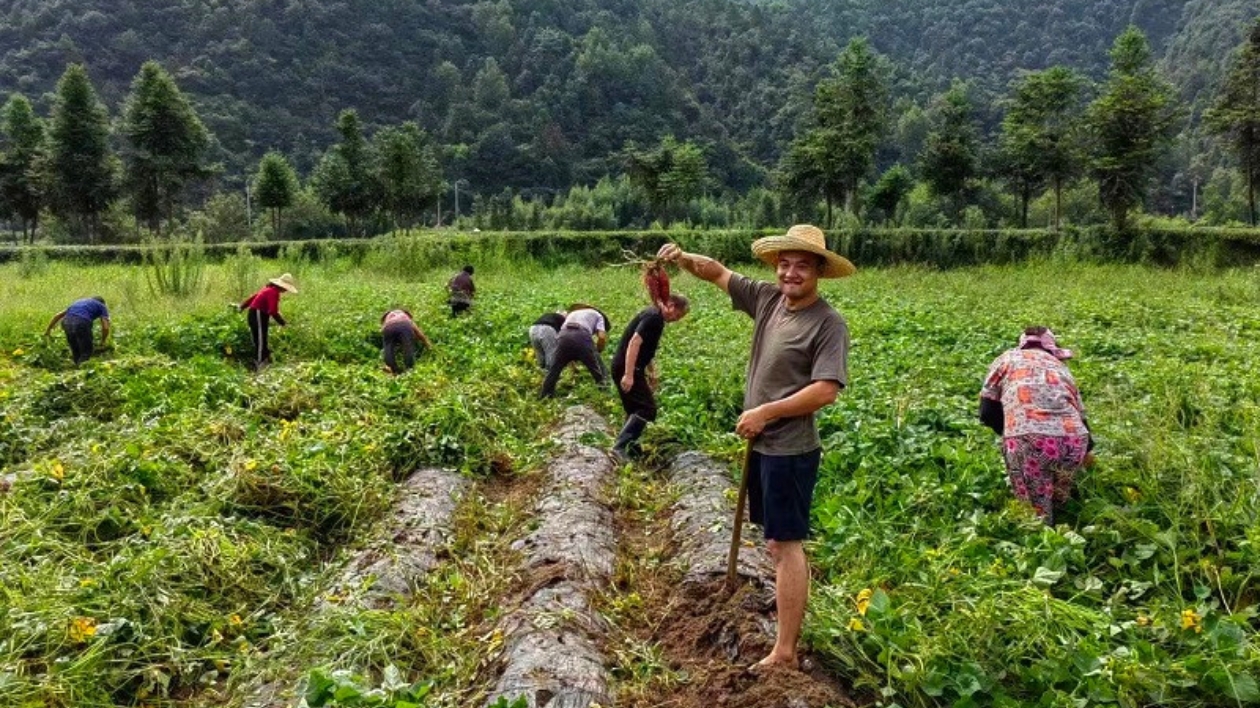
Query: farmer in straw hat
(263, 306)
(797, 366)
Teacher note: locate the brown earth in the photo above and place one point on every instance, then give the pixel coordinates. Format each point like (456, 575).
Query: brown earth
(708, 636)
(716, 636)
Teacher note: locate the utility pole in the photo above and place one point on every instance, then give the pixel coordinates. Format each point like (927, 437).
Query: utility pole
(455, 218)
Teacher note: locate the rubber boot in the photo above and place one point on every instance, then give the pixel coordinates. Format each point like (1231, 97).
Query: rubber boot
(629, 435)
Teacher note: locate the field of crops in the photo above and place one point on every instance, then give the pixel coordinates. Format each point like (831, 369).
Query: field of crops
(173, 518)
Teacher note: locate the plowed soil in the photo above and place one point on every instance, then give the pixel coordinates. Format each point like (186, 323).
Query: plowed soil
(710, 637)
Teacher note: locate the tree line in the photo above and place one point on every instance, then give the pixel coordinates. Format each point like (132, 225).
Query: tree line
(858, 156)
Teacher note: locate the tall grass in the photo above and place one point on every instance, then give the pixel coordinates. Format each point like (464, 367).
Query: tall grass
(176, 267)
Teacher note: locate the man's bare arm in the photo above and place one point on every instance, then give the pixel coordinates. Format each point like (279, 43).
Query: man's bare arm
(702, 267)
(56, 318)
(804, 402)
(632, 358)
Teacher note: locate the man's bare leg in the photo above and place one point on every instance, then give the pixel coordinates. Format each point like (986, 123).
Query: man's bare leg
(791, 589)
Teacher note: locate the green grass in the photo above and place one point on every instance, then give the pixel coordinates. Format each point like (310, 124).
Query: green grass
(190, 512)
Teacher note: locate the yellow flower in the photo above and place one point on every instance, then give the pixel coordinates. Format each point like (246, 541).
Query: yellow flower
(235, 620)
(856, 625)
(1191, 620)
(57, 471)
(251, 465)
(82, 629)
(227, 350)
(864, 601)
(87, 582)
(18, 352)
(1132, 494)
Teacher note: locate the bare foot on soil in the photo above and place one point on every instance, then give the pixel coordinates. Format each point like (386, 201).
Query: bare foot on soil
(775, 661)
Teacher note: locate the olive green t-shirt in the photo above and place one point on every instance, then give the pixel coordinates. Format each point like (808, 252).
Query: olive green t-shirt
(790, 350)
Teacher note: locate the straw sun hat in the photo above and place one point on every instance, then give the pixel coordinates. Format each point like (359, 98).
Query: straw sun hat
(803, 237)
(285, 281)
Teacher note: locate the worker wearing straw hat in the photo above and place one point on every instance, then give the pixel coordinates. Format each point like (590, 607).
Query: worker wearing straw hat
(797, 366)
(263, 306)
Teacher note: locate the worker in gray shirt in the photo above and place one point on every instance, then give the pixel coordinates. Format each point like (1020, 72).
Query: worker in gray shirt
(582, 337)
(797, 366)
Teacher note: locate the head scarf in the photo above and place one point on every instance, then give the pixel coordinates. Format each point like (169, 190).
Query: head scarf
(1045, 341)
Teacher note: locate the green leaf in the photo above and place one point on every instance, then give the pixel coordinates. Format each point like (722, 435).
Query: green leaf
(1244, 688)
(318, 689)
(392, 680)
(935, 683)
(1045, 577)
(879, 603)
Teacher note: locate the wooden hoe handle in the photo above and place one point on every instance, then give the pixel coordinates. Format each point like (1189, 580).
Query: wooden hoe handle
(732, 559)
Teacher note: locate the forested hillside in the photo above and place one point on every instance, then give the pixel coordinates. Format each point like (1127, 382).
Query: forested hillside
(539, 93)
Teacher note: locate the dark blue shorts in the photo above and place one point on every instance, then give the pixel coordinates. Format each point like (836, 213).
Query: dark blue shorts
(780, 491)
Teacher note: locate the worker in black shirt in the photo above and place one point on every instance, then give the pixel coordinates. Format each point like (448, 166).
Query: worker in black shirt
(542, 337)
(634, 372)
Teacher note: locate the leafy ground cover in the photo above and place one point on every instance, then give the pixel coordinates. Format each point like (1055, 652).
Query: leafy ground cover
(173, 517)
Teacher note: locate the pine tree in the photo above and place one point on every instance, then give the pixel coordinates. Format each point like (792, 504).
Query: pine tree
(669, 175)
(346, 177)
(951, 153)
(166, 145)
(1040, 140)
(83, 169)
(22, 178)
(275, 188)
(1131, 126)
(409, 172)
(838, 150)
(1236, 113)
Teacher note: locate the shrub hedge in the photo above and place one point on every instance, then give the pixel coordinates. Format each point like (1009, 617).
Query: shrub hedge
(942, 248)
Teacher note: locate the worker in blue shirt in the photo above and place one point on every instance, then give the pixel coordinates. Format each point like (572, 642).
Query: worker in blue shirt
(76, 322)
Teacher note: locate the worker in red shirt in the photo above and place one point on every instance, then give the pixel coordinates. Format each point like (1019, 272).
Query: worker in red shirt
(263, 306)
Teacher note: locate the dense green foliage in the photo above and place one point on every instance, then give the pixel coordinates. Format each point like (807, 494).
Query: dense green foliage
(599, 115)
(173, 518)
(539, 93)
(1236, 114)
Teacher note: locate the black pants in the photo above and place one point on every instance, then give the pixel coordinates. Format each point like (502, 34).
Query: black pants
(459, 302)
(639, 400)
(79, 336)
(399, 335)
(573, 345)
(258, 321)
